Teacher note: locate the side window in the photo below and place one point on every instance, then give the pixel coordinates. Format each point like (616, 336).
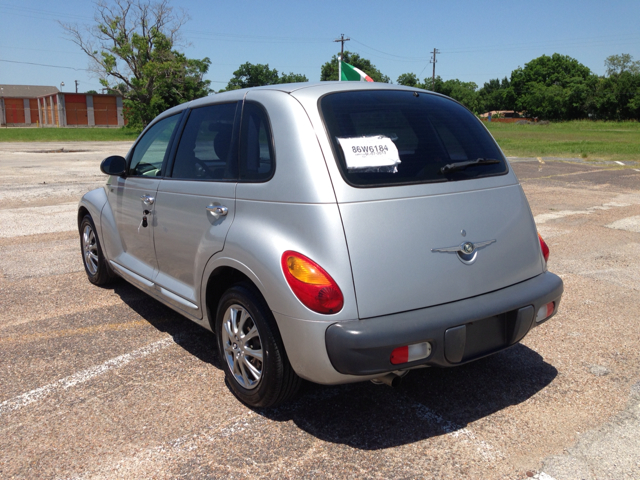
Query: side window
(150, 151)
(256, 150)
(206, 148)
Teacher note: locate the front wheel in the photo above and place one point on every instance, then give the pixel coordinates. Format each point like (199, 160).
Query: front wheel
(251, 351)
(95, 264)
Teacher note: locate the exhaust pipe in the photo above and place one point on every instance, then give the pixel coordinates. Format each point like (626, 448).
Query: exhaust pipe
(390, 379)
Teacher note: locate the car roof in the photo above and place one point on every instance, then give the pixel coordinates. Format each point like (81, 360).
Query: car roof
(313, 89)
(334, 86)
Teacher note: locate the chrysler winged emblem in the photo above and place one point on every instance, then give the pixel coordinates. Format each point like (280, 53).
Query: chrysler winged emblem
(467, 247)
(467, 251)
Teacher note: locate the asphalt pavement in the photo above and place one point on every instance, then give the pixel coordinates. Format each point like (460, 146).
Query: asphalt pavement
(108, 383)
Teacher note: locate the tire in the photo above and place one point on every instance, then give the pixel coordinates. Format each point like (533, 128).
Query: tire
(95, 264)
(251, 351)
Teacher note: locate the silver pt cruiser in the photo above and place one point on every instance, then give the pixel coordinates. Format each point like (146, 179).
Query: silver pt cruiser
(334, 232)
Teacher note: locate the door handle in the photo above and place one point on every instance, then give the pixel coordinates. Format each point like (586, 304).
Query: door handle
(147, 199)
(218, 210)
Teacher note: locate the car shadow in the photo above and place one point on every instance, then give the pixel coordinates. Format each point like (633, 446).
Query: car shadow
(430, 402)
(193, 338)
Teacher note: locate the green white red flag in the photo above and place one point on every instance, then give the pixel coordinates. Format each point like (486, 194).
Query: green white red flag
(349, 73)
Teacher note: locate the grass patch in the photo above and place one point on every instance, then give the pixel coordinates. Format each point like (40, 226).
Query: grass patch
(577, 139)
(67, 135)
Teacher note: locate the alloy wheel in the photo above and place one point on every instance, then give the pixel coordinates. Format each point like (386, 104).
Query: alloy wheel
(242, 346)
(90, 249)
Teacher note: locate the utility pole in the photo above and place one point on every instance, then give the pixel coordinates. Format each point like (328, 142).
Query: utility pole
(341, 40)
(433, 60)
(77, 85)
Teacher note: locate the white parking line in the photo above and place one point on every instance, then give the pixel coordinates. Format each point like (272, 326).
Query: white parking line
(545, 217)
(486, 451)
(85, 375)
(630, 224)
(19, 222)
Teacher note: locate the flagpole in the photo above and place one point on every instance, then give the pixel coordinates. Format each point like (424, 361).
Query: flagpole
(339, 68)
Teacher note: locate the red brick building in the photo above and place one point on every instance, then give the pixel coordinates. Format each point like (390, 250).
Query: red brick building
(32, 105)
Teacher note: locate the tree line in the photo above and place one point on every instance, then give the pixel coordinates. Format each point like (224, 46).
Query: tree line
(555, 87)
(134, 44)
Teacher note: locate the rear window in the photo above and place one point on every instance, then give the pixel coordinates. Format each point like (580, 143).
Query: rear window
(387, 137)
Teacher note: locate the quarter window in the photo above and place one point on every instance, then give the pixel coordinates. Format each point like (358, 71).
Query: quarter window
(256, 150)
(151, 149)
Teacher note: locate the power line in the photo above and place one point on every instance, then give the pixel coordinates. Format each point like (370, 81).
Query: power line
(41, 50)
(38, 13)
(45, 65)
(254, 38)
(390, 54)
(604, 40)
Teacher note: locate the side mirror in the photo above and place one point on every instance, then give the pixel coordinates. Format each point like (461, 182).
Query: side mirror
(114, 165)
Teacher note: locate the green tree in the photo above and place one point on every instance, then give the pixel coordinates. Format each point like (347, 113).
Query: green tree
(617, 64)
(618, 93)
(250, 75)
(618, 96)
(132, 48)
(556, 87)
(433, 84)
(409, 80)
(464, 92)
(496, 95)
(544, 102)
(293, 78)
(329, 70)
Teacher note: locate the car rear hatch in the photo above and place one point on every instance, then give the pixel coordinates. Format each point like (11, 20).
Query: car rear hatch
(448, 222)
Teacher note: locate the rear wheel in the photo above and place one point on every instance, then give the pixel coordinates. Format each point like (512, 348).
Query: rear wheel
(95, 264)
(251, 351)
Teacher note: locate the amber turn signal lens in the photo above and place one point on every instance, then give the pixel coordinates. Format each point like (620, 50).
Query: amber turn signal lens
(306, 271)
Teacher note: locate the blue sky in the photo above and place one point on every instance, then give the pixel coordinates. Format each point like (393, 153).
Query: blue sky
(478, 40)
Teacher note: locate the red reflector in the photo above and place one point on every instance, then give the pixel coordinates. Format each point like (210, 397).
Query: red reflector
(400, 355)
(410, 353)
(545, 311)
(550, 307)
(545, 248)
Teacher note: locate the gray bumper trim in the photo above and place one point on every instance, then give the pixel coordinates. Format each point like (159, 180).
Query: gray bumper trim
(363, 347)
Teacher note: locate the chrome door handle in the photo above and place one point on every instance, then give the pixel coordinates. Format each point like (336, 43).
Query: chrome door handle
(147, 199)
(218, 210)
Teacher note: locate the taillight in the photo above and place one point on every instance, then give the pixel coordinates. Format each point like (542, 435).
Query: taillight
(545, 249)
(311, 284)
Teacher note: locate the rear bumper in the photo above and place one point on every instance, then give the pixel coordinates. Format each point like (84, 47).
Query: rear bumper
(458, 332)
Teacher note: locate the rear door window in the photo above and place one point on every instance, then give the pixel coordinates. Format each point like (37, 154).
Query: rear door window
(431, 138)
(207, 150)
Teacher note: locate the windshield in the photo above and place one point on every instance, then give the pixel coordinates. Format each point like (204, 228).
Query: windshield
(385, 137)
